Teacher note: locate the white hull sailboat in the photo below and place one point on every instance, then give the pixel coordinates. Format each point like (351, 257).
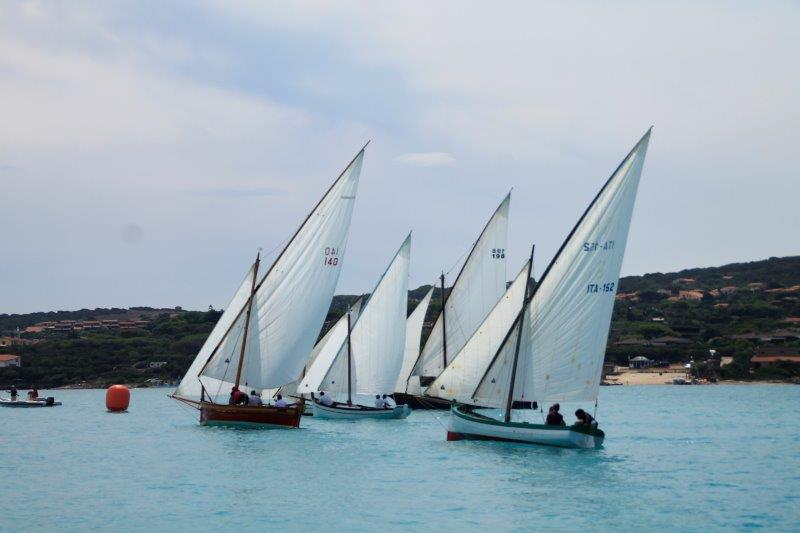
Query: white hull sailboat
(358, 412)
(264, 336)
(363, 358)
(553, 351)
(468, 423)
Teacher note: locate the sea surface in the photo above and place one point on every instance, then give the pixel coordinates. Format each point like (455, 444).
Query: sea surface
(697, 458)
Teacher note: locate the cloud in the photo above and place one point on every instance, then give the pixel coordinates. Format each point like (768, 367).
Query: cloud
(427, 159)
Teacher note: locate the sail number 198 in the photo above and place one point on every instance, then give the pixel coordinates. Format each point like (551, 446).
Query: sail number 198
(330, 258)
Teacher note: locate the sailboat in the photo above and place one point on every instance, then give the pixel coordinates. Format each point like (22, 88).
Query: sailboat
(480, 283)
(554, 350)
(458, 381)
(367, 361)
(262, 339)
(331, 340)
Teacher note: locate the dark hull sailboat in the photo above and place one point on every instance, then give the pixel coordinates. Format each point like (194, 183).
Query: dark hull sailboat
(440, 404)
(265, 416)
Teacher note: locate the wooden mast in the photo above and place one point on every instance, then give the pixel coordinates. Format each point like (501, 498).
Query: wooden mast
(444, 327)
(349, 363)
(247, 320)
(510, 400)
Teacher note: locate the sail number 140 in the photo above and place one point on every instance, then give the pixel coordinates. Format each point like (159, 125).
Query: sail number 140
(330, 258)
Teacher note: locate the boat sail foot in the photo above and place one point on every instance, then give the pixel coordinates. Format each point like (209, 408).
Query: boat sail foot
(255, 416)
(465, 424)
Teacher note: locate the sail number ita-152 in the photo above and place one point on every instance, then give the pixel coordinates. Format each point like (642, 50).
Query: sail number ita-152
(600, 287)
(331, 258)
(594, 246)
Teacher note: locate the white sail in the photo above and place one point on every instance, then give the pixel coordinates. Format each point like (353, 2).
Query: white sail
(330, 337)
(478, 287)
(190, 387)
(413, 338)
(459, 379)
(566, 323)
(377, 338)
(324, 353)
(290, 303)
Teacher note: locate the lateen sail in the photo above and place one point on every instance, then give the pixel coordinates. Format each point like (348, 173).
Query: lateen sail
(289, 303)
(459, 379)
(478, 287)
(189, 386)
(330, 336)
(377, 338)
(565, 324)
(324, 353)
(413, 337)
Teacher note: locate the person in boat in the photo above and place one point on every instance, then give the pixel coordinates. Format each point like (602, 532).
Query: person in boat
(387, 404)
(325, 400)
(237, 397)
(14, 393)
(378, 402)
(254, 399)
(33, 394)
(554, 418)
(280, 403)
(585, 419)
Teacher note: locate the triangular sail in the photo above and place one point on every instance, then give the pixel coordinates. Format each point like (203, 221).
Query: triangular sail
(292, 299)
(190, 386)
(377, 338)
(290, 389)
(566, 322)
(459, 379)
(479, 285)
(324, 353)
(413, 338)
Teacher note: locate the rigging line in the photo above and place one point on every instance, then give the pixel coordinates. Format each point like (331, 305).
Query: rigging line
(458, 261)
(430, 411)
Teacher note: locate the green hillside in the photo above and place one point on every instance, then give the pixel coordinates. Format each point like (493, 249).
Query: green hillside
(736, 309)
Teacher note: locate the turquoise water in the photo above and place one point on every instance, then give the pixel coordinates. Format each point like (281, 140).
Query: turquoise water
(676, 458)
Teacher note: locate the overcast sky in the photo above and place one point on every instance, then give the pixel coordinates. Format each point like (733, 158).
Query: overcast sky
(148, 149)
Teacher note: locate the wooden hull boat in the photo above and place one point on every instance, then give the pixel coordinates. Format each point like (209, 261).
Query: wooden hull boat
(253, 416)
(357, 412)
(467, 424)
(41, 402)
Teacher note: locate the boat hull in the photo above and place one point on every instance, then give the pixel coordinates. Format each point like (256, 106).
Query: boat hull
(358, 412)
(440, 404)
(250, 416)
(42, 402)
(469, 425)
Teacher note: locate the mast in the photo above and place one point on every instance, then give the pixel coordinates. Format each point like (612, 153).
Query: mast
(444, 325)
(247, 319)
(510, 401)
(349, 363)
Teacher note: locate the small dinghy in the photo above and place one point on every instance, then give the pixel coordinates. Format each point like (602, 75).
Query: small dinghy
(359, 411)
(39, 402)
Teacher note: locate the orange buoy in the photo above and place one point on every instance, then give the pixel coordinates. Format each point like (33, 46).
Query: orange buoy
(117, 398)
